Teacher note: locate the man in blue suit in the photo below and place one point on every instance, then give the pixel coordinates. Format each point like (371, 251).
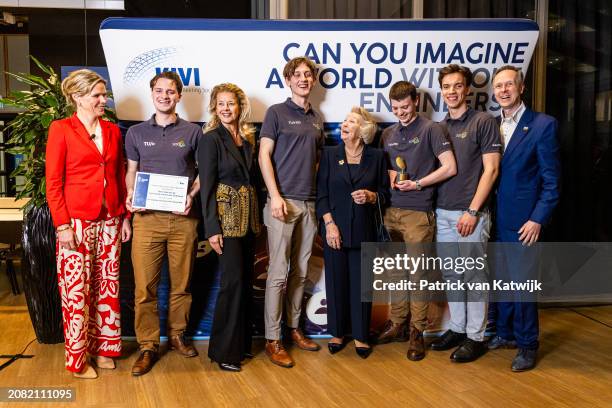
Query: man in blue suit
(526, 197)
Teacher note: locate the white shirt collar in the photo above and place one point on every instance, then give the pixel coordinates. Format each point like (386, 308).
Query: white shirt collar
(516, 116)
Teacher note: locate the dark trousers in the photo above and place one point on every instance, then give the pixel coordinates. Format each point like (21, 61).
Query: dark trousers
(516, 320)
(230, 335)
(346, 313)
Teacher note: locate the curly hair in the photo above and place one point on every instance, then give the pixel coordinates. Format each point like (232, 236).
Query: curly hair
(294, 63)
(246, 129)
(368, 128)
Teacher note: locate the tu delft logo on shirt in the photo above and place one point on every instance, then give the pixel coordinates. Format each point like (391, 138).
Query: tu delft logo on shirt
(294, 122)
(462, 135)
(149, 144)
(180, 143)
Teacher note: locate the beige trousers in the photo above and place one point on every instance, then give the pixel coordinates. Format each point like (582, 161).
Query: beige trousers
(289, 248)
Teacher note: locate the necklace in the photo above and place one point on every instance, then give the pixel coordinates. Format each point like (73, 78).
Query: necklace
(353, 155)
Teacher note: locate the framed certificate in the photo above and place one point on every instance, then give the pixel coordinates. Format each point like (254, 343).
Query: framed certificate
(160, 192)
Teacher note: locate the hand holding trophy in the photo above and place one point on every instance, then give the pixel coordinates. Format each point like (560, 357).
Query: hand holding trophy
(402, 175)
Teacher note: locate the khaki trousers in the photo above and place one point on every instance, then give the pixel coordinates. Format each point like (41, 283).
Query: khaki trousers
(411, 227)
(289, 248)
(156, 234)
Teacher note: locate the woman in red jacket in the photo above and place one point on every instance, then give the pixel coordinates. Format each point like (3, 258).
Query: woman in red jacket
(85, 173)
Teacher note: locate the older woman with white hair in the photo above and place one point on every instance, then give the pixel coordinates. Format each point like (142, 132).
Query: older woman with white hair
(352, 176)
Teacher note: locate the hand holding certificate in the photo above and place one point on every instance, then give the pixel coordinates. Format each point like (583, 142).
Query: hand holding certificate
(160, 192)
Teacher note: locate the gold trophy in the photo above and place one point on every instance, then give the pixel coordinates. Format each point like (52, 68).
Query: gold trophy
(402, 175)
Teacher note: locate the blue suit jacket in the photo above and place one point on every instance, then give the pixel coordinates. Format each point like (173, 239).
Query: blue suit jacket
(530, 175)
(356, 222)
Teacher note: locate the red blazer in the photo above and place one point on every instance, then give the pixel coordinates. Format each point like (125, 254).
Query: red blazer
(75, 171)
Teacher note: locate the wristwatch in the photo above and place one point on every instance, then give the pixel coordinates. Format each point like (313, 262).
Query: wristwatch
(418, 185)
(473, 213)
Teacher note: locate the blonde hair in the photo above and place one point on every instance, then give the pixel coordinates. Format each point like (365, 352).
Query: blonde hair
(246, 129)
(80, 83)
(368, 129)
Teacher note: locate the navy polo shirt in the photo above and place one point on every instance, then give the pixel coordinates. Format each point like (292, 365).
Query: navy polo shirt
(169, 149)
(419, 144)
(298, 138)
(472, 134)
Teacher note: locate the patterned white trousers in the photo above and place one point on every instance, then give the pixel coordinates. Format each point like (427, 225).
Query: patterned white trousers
(89, 288)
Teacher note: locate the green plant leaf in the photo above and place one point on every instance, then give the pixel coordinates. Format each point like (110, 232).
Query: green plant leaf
(45, 119)
(23, 78)
(44, 68)
(10, 102)
(51, 100)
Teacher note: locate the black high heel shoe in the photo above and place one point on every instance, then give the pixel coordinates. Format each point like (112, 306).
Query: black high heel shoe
(248, 356)
(335, 347)
(228, 366)
(363, 352)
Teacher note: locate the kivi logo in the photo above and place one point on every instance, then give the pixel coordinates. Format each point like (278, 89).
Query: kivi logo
(189, 76)
(150, 63)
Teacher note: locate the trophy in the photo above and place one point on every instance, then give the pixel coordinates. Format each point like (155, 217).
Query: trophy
(402, 175)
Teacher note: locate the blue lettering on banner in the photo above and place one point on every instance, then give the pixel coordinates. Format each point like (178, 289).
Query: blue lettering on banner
(184, 73)
(379, 53)
(351, 78)
(327, 52)
(274, 79)
(475, 53)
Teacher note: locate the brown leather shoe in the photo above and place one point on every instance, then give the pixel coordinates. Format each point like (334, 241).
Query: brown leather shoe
(303, 342)
(393, 332)
(178, 343)
(277, 353)
(144, 363)
(416, 345)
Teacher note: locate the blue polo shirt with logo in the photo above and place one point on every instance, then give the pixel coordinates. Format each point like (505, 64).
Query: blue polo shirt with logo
(298, 139)
(169, 149)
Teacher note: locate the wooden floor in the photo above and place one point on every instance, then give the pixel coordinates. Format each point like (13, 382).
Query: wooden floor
(574, 370)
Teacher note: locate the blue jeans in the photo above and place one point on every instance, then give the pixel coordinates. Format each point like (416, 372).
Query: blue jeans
(468, 309)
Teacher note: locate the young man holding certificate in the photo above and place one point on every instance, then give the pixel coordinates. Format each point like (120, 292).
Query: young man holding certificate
(163, 146)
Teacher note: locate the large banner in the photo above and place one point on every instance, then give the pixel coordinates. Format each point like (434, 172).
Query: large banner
(358, 60)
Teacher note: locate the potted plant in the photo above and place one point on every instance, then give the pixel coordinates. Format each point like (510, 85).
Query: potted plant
(40, 106)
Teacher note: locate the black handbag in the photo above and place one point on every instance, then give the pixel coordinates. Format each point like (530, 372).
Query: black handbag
(382, 234)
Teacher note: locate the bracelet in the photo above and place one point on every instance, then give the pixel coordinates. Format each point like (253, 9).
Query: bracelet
(64, 228)
(329, 222)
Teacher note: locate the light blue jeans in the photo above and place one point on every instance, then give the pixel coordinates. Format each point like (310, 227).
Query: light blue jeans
(468, 309)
